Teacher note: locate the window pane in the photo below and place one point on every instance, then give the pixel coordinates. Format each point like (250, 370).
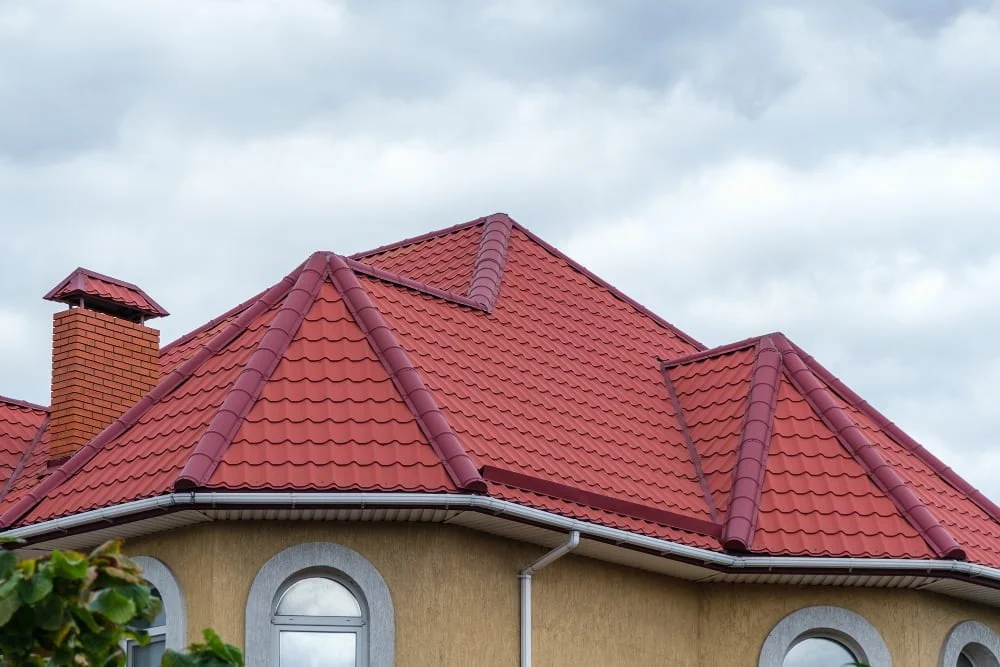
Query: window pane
(317, 649)
(965, 661)
(161, 618)
(818, 652)
(149, 655)
(318, 597)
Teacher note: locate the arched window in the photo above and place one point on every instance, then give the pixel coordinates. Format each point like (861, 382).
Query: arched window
(823, 636)
(818, 652)
(151, 654)
(319, 605)
(169, 629)
(971, 644)
(320, 623)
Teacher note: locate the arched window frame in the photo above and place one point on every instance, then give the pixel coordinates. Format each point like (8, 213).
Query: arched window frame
(163, 580)
(979, 642)
(841, 625)
(302, 561)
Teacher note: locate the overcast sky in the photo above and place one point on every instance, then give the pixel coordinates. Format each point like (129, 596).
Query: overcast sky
(831, 170)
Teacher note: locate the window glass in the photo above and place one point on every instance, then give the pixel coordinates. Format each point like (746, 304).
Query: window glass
(965, 661)
(149, 655)
(318, 596)
(317, 649)
(818, 652)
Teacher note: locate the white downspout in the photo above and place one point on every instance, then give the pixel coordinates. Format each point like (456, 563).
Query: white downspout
(525, 576)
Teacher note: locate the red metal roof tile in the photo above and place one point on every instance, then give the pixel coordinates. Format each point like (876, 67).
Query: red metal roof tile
(84, 283)
(445, 261)
(480, 347)
(713, 394)
(818, 501)
(330, 418)
(21, 427)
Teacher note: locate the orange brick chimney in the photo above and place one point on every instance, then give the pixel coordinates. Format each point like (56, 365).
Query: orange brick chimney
(104, 358)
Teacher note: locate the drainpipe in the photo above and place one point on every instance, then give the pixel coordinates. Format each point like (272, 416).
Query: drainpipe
(571, 542)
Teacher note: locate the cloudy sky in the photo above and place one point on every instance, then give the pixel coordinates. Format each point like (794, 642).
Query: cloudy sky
(831, 170)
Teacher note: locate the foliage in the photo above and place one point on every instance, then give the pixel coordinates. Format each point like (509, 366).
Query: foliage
(212, 653)
(74, 610)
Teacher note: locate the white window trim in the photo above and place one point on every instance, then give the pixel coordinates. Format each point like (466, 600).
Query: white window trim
(160, 577)
(978, 641)
(312, 556)
(842, 625)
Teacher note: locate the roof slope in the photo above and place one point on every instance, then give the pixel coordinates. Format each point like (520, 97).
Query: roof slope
(21, 427)
(479, 359)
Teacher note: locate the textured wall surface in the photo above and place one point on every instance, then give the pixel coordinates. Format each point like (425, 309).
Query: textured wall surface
(456, 598)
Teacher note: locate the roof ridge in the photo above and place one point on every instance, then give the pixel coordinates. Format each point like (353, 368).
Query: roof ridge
(419, 238)
(755, 439)
(396, 279)
(129, 418)
(491, 258)
(866, 454)
(692, 450)
(711, 352)
(405, 377)
(901, 437)
(229, 416)
(16, 472)
(23, 404)
(608, 286)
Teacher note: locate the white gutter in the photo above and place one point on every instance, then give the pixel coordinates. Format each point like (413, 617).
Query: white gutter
(525, 576)
(500, 508)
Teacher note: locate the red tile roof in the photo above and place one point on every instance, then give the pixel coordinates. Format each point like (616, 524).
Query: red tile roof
(21, 427)
(479, 359)
(87, 284)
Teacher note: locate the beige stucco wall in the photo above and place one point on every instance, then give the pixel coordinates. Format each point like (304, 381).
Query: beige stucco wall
(456, 598)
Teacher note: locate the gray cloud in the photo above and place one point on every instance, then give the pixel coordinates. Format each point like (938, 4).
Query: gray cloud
(824, 168)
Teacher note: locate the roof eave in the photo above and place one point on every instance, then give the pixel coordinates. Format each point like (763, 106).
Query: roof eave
(730, 565)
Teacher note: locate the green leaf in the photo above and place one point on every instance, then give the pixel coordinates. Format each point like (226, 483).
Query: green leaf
(69, 565)
(83, 614)
(11, 584)
(112, 605)
(8, 560)
(50, 613)
(8, 605)
(34, 589)
(175, 659)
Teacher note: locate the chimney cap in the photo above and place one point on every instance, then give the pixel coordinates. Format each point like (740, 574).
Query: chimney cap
(105, 294)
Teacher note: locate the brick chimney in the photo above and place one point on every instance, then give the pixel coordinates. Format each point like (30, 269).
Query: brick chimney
(104, 358)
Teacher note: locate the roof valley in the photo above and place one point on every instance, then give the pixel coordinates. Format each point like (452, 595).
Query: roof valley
(689, 441)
